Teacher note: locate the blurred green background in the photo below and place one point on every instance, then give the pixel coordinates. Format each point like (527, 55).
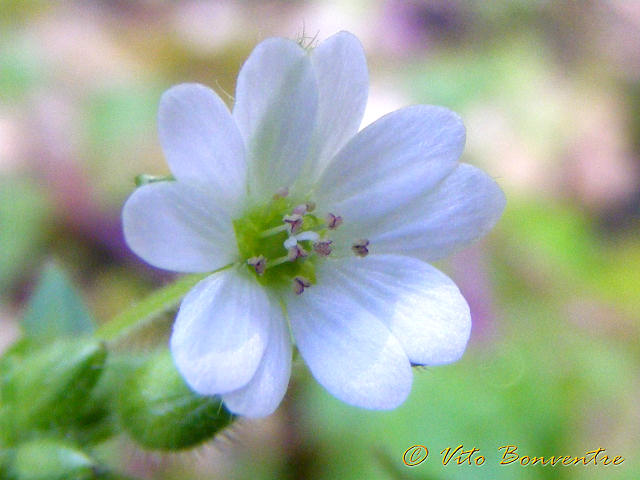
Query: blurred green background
(550, 94)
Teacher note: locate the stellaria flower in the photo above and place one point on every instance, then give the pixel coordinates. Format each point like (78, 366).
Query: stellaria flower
(307, 223)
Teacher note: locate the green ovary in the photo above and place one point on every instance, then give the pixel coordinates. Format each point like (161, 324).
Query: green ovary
(250, 227)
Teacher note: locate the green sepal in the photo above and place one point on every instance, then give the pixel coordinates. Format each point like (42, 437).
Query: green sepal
(55, 309)
(98, 416)
(160, 412)
(145, 179)
(45, 387)
(50, 459)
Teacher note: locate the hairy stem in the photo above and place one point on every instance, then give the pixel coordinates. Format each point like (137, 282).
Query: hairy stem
(148, 308)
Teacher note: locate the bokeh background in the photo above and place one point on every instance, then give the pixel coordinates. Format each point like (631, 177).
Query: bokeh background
(550, 94)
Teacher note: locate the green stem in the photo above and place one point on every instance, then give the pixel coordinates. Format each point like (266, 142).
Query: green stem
(148, 308)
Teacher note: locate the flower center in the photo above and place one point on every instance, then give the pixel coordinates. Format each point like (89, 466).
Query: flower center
(277, 242)
(282, 241)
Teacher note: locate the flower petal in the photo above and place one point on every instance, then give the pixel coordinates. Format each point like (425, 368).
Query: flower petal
(343, 84)
(392, 162)
(463, 208)
(201, 141)
(420, 305)
(264, 392)
(349, 351)
(221, 331)
(178, 227)
(275, 110)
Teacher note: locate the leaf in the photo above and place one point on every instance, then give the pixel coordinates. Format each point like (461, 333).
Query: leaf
(56, 308)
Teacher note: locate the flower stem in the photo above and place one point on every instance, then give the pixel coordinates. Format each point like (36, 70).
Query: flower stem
(149, 307)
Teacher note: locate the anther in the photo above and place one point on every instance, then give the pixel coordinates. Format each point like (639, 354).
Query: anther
(360, 247)
(294, 221)
(333, 221)
(299, 284)
(300, 209)
(258, 263)
(322, 247)
(296, 252)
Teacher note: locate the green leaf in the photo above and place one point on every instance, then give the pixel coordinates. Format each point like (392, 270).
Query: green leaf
(160, 412)
(56, 308)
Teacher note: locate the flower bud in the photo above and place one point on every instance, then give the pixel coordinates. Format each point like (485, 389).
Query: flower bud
(159, 410)
(45, 387)
(48, 459)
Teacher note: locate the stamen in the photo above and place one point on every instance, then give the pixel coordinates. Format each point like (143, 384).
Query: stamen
(311, 206)
(360, 247)
(300, 209)
(277, 261)
(299, 284)
(333, 221)
(294, 221)
(296, 252)
(258, 263)
(323, 247)
(273, 231)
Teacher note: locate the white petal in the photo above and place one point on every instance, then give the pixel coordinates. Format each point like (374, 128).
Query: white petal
(221, 331)
(262, 395)
(421, 306)
(178, 227)
(343, 84)
(275, 110)
(348, 350)
(392, 162)
(201, 141)
(463, 208)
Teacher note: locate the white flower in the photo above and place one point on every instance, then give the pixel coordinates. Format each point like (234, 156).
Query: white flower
(311, 224)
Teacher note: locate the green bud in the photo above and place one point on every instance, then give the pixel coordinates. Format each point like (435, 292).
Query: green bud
(160, 412)
(47, 459)
(46, 387)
